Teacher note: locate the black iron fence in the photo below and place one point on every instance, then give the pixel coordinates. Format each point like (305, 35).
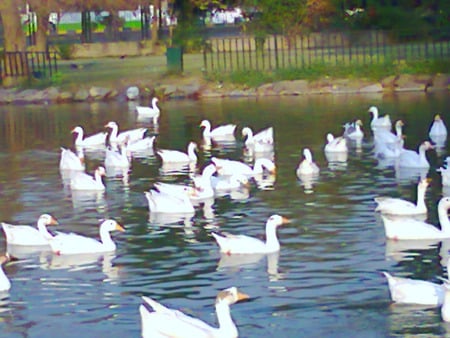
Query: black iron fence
(329, 48)
(28, 64)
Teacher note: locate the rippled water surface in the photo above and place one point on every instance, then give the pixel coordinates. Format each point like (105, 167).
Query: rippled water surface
(326, 280)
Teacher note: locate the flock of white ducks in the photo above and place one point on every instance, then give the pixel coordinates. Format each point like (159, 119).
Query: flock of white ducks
(160, 321)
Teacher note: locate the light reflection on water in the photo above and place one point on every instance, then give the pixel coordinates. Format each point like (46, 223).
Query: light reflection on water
(326, 280)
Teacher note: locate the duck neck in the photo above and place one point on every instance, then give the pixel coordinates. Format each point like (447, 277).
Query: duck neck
(114, 133)
(43, 230)
(421, 198)
(5, 284)
(79, 138)
(271, 238)
(398, 130)
(191, 154)
(443, 218)
(422, 156)
(224, 318)
(105, 238)
(98, 177)
(207, 130)
(249, 134)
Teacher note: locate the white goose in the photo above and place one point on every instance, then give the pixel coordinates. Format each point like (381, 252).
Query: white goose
(129, 135)
(445, 309)
(71, 161)
(438, 128)
(412, 159)
(142, 145)
(265, 136)
(445, 173)
(150, 112)
(386, 137)
(176, 156)
(353, 131)
(5, 284)
(379, 121)
(229, 183)
(307, 166)
(71, 243)
(412, 291)
(83, 181)
(27, 235)
(336, 144)
(227, 167)
(241, 244)
(162, 202)
(117, 159)
(220, 132)
(96, 140)
(401, 207)
(160, 321)
(409, 228)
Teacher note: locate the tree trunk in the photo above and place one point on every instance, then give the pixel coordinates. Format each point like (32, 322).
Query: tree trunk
(41, 33)
(155, 22)
(14, 41)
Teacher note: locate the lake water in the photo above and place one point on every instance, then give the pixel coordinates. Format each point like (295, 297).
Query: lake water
(326, 280)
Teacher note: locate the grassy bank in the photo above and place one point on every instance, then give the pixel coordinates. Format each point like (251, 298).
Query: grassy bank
(147, 70)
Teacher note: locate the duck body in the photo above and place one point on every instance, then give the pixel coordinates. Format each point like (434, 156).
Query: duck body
(117, 159)
(29, 236)
(152, 112)
(160, 321)
(438, 128)
(176, 156)
(71, 243)
(84, 181)
(412, 159)
(5, 283)
(71, 161)
(264, 136)
(95, 140)
(125, 136)
(401, 207)
(336, 144)
(379, 122)
(163, 202)
(228, 167)
(224, 131)
(406, 228)
(307, 166)
(412, 291)
(242, 244)
(353, 131)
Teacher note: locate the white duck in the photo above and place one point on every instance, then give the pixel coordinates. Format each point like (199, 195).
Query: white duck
(307, 166)
(412, 291)
(160, 321)
(336, 144)
(401, 207)
(95, 140)
(379, 121)
(220, 132)
(142, 145)
(71, 161)
(163, 202)
(386, 137)
(410, 228)
(241, 244)
(129, 135)
(228, 167)
(438, 128)
(445, 173)
(412, 159)
(5, 284)
(83, 181)
(117, 159)
(71, 243)
(445, 309)
(27, 235)
(150, 112)
(264, 136)
(176, 156)
(229, 183)
(353, 131)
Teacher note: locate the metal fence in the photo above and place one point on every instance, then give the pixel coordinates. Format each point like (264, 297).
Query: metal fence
(28, 64)
(331, 49)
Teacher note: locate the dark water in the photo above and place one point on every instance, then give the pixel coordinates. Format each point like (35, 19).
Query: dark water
(326, 280)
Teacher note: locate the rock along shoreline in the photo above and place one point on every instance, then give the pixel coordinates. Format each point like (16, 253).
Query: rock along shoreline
(195, 88)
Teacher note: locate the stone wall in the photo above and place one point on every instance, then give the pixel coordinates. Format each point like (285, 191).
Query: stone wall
(112, 49)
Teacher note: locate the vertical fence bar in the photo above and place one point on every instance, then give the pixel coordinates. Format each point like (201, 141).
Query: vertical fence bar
(269, 51)
(250, 54)
(224, 54)
(275, 47)
(243, 53)
(218, 55)
(205, 61)
(230, 53)
(237, 53)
